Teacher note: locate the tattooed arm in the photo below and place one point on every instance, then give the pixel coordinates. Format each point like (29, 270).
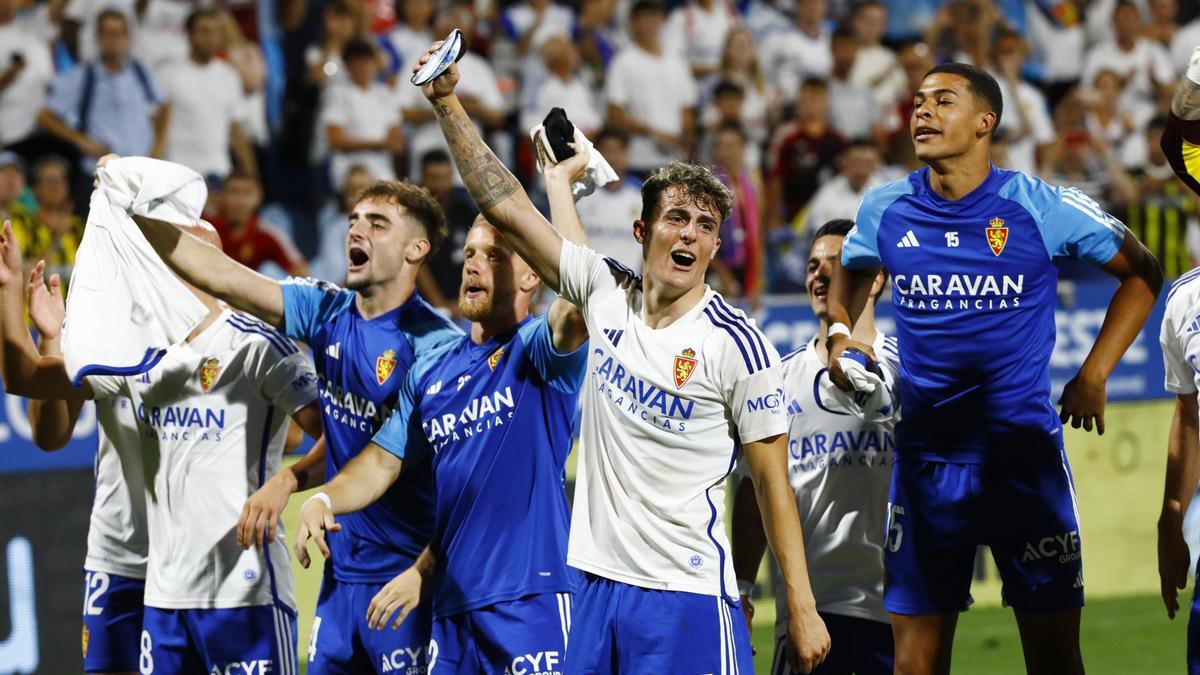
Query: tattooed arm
(1186, 103)
(1181, 136)
(494, 189)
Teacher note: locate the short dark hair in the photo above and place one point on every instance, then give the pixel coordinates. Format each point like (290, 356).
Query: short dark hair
(732, 128)
(435, 156)
(417, 201)
(844, 32)
(200, 13)
(981, 84)
(697, 182)
(860, 142)
(647, 6)
(358, 48)
(614, 134)
(840, 227)
(1157, 122)
(813, 81)
(50, 160)
(728, 87)
(242, 174)
(110, 13)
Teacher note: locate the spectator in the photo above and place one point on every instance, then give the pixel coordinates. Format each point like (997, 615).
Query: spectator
(205, 105)
(1142, 64)
(802, 51)
(858, 168)
(341, 22)
(1184, 41)
(1163, 214)
(802, 156)
(247, 59)
(562, 87)
(875, 67)
(738, 264)
(411, 37)
(108, 105)
(1162, 26)
(915, 60)
(599, 34)
(1026, 120)
(79, 24)
(529, 23)
(1105, 119)
(608, 213)
(25, 73)
(1078, 159)
(332, 226)
(360, 118)
(54, 232)
(852, 108)
(740, 66)
(651, 94)
(478, 89)
(1057, 40)
(247, 239)
(728, 100)
(961, 31)
(159, 32)
(12, 189)
(696, 32)
(764, 18)
(441, 275)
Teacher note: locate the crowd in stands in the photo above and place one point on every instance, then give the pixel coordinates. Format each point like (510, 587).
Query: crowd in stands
(288, 107)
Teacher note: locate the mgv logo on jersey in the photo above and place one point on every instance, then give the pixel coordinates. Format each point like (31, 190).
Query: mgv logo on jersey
(1063, 546)
(405, 661)
(768, 403)
(958, 291)
(540, 663)
(479, 415)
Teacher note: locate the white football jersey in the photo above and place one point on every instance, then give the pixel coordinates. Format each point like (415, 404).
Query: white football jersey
(1180, 335)
(661, 411)
(117, 536)
(840, 468)
(213, 416)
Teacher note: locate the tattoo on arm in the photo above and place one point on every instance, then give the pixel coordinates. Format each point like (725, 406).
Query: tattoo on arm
(1186, 104)
(486, 179)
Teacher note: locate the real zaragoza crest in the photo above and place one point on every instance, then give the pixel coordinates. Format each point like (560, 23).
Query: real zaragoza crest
(685, 365)
(997, 235)
(208, 374)
(384, 365)
(495, 358)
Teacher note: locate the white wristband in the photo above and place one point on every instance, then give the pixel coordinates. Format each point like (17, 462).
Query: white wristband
(745, 587)
(838, 329)
(321, 496)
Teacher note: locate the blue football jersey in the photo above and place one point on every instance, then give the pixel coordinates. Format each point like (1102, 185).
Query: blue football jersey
(360, 367)
(973, 285)
(499, 419)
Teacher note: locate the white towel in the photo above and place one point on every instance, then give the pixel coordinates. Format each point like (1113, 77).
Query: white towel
(124, 306)
(870, 399)
(599, 173)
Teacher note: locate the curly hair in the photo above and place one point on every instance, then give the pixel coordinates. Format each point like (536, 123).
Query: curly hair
(417, 201)
(698, 184)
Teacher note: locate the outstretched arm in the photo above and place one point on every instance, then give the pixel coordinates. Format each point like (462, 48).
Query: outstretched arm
(209, 269)
(567, 326)
(496, 192)
(1141, 280)
(52, 421)
(777, 504)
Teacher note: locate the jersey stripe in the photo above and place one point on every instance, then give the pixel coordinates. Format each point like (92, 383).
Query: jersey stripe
(281, 344)
(739, 319)
(1075, 198)
(712, 508)
(737, 340)
(250, 322)
(795, 352)
(1183, 281)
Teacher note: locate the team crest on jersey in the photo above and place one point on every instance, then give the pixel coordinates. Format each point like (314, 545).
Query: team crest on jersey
(86, 634)
(997, 235)
(685, 365)
(208, 374)
(384, 365)
(495, 358)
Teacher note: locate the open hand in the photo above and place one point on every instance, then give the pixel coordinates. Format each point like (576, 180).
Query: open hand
(10, 255)
(315, 520)
(1082, 404)
(46, 306)
(260, 514)
(400, 596)
(1173, 561)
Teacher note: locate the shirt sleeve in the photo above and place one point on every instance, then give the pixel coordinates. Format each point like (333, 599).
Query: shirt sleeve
(285, 375)
(65, 95)
(107, 386)
(861, 246)
(616, 91)
(582, 272)
(1071, 223)
(751, 377)
(308, 304)
(401, 434)
(1179, 377)
(562, 371)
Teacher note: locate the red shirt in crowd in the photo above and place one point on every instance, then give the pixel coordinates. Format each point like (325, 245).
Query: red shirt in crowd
(802, 160)
(258, 243)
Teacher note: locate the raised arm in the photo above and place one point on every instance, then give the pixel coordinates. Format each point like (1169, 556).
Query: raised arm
(52, 421)
(1140, 281)
(567, 326)
(209, 269)
(496, 192)
(767, 460)
(849, 291)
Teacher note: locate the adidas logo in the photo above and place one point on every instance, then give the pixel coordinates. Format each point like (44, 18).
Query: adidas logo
(613, 335)
(334, 350)
(1194, 325)
(909, 240)
(794, 408)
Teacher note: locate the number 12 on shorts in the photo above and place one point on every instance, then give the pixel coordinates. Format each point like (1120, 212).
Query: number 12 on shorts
(895, 531)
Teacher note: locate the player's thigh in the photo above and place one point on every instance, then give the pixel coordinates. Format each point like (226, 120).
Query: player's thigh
(523, 636)
(1033, 531)
(929, 550)
(393, 651)
(258, 639)
(166, 644)
(592, 647)
(331, 648)
(676, 632)
(924, 643)
(112, 622)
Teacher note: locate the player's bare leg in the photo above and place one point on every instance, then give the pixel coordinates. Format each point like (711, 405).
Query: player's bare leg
(923, 643)
(1051, 642)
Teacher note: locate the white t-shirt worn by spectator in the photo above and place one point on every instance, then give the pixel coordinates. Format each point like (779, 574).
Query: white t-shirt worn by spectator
(574, 96)
(1059, 49)
(1027, 105)
(205, 99)
(85, 13)
(654, 89)
(21, 100)
(607, 216)
(364, 114)
(789, 57)
(1146, 65)
(697, 35)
